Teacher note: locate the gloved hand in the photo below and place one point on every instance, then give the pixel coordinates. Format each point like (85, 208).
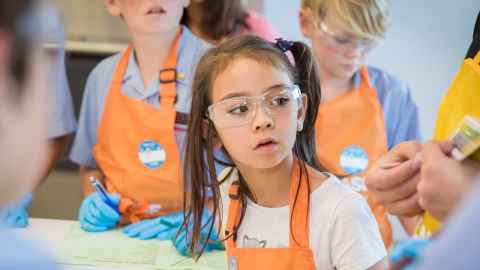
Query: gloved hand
(151, 228)
(16, 215)
(97, 216)
(182, 241)
(407, 252)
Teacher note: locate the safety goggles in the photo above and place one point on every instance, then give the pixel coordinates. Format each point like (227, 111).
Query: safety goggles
(345, 42)
(238, 111)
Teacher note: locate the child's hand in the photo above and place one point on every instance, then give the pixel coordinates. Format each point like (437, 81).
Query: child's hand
(16, 215)
(182, 241)
(97, 216)
(152, 228)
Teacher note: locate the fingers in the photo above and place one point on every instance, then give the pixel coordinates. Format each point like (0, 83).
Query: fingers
(390, 177)
(88, 227)
(167, 234)
(147, 229)
(106, 213)
(408, 207)
(95, 215)
(446, 146)
(135, 229)
(181, 243)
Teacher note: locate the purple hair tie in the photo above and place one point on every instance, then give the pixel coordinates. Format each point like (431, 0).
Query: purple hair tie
(283, 44)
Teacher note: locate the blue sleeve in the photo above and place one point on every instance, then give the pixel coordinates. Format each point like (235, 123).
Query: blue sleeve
(60, 115)
(399, 109)
(17, 253)
(93, 102)
(458, 244)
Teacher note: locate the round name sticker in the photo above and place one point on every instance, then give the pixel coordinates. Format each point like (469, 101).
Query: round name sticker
(151, 154)
(353, 159)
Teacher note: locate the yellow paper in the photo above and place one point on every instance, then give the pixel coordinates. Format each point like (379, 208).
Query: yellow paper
(114, 248)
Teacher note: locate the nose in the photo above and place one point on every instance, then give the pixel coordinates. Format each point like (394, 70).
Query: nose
(262, 118)
(354, 50)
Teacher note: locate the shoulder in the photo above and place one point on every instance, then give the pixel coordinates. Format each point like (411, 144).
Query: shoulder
(387, 83)
(335, 201)
(101, 76)
(332, 190)
(189, 42)
(393, 93)
(106, 66)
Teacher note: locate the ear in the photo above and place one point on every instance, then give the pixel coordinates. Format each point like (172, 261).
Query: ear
(113, 7)
(306, 22)
(302, 110)
(216, 142)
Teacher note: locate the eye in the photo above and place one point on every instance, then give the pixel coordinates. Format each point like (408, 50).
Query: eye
(343, 40)
(239, 109)
(280, 100)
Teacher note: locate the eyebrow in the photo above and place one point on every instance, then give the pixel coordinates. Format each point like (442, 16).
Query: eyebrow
(242, 94)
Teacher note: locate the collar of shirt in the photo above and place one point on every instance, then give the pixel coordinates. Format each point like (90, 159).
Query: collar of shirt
(132, 83)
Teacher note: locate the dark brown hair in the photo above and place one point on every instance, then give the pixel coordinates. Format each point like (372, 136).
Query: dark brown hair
(219, 18)
(199, 172)
(12, 17)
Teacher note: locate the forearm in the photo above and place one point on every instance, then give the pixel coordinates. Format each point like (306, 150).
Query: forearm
(85, 174)
(56, 148)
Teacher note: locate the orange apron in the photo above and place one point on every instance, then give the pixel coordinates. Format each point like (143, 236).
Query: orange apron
(137, 149)
(351, 136)
(297, 256)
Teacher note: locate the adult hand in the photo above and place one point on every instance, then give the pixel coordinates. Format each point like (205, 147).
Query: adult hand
(444, 180)
(393, 179)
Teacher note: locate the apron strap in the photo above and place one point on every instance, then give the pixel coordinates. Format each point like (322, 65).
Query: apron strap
(168, 75)
(365, 78)
(299, 213)
(233, 214)
(299, 201)
(122, 66)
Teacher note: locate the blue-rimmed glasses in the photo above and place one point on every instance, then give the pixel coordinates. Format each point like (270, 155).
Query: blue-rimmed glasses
(238, 111)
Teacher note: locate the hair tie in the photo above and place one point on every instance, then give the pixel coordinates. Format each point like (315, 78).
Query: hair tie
(283, 44)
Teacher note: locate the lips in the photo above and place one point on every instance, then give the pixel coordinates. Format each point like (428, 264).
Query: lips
(156, 10)
(265, 143)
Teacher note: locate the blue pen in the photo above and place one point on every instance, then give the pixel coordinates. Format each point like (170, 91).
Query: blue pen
(103, 193)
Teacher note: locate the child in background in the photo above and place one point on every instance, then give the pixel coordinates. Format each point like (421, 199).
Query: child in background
(133, 122)
(214, 20)
(364, 111)
(274, 206)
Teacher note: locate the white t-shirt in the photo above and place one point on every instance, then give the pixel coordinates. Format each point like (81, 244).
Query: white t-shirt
(343, 232)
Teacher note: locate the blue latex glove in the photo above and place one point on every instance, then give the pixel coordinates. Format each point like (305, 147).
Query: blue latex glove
(16, 215)
(410, 250)
(97, 216)
(182, 241)
(151, 228)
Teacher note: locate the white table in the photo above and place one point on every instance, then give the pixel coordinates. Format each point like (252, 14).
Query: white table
(49, 233)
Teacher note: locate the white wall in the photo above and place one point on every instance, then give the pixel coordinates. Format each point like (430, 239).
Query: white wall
(425, 44)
